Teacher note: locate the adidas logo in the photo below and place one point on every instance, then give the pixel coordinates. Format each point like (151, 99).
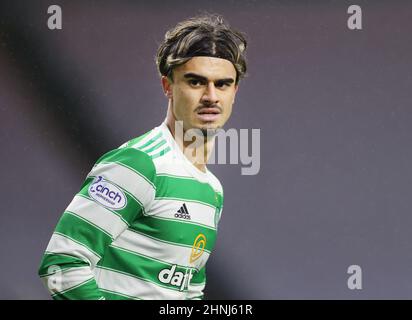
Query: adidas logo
(183, 212)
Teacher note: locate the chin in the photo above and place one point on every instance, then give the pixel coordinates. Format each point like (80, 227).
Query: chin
(210, 130)
(207, 129)
(211, 126)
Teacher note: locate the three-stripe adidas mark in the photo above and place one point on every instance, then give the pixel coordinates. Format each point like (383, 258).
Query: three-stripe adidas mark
(183, 212)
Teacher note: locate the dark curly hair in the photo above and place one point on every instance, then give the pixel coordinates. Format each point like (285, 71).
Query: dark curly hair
(205, 35)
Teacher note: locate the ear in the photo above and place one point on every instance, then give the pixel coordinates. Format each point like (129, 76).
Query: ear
(167, 86)
(236, 88)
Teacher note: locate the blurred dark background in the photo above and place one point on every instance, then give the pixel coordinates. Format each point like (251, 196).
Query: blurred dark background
(333, 106)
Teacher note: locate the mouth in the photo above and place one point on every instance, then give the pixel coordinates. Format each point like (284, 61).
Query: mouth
(208, 114)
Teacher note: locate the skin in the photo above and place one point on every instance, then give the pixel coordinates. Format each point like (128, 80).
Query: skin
(202, 83)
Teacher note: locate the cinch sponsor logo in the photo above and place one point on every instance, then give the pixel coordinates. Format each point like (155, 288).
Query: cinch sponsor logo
(175, 278)
(107, 194)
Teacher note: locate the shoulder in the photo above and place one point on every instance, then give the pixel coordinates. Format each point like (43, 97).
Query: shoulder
(215, 182)
(130, 171)
(153, 143)
(139, 153)
(131, 158)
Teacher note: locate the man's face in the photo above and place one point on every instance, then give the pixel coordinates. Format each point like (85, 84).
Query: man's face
(202, 92)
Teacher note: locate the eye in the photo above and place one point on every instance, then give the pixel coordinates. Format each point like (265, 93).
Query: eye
(222, 84)
(195, 82)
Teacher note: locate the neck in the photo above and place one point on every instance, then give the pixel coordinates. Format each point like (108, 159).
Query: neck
(197, 150)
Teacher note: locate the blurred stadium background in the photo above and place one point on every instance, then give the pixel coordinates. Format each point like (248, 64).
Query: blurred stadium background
(333, 106)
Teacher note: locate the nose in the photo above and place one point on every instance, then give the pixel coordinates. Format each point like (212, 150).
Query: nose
(210, 95)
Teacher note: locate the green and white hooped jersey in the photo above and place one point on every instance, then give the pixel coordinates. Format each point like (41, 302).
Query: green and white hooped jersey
(142, 226)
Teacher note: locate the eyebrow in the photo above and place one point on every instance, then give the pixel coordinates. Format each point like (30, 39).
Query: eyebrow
(192, 75)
